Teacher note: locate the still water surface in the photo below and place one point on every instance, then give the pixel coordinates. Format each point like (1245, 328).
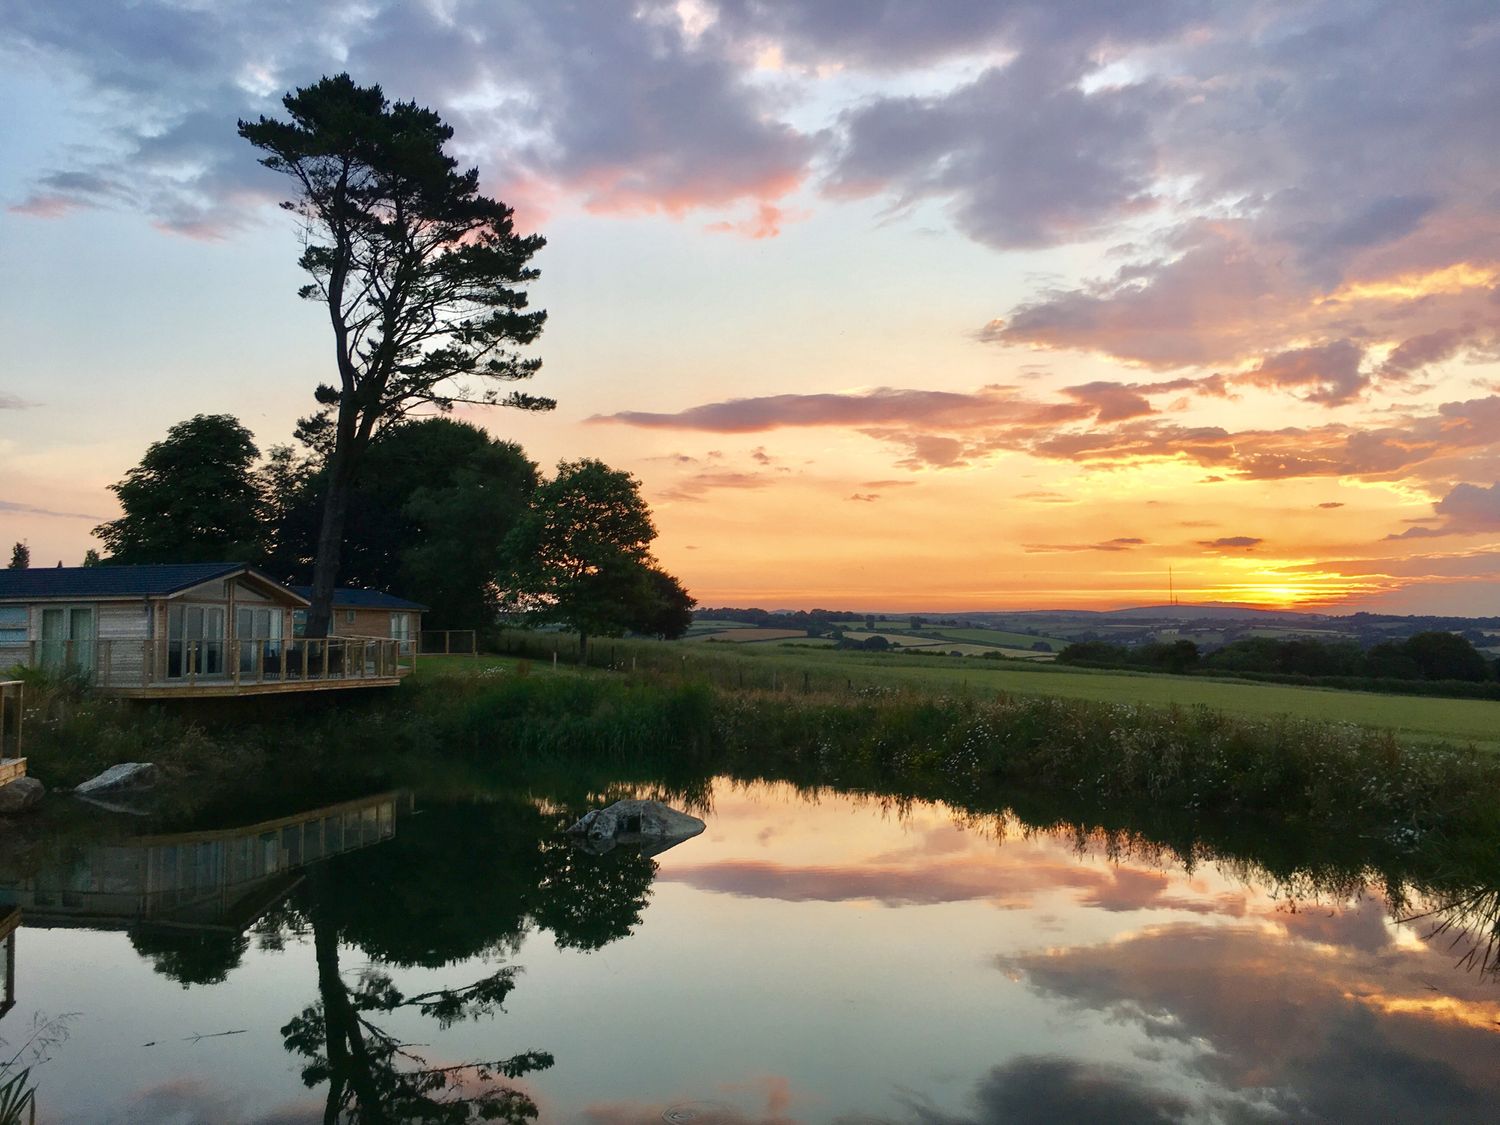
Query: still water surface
(826, 958)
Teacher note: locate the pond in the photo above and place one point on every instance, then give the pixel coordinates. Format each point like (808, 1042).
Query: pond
(813, 956)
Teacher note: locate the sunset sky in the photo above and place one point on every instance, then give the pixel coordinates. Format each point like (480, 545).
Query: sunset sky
(939, 304)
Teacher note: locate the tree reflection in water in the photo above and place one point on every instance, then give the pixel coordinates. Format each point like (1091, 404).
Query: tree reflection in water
(1470, 924)
(456, 883)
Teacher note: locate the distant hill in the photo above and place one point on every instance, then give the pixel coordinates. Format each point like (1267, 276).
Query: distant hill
(1216, 611)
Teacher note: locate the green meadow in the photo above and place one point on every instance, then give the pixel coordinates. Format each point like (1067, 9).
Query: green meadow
(773, 667)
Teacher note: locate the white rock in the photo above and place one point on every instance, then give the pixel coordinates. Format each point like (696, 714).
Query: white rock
(648, 823)
(125, 775)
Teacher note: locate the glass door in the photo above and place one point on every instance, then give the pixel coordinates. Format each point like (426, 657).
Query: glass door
(67, 637)
(401, 632)
(195, 641)
(258, 629)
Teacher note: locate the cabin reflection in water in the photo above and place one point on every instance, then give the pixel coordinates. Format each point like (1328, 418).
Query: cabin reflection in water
(222, 879)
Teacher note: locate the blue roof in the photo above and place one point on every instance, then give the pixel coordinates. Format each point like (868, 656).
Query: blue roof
(347, 597)
(150, 580)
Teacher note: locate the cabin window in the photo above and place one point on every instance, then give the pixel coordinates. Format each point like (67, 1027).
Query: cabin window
(67, 636)
(401, 626)
(13, 624)
(253, 624)
(348, 617)
(299, 622)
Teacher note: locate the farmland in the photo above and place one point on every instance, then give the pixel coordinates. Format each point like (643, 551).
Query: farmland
(774, 666)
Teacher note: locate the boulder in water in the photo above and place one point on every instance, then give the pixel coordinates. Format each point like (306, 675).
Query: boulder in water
(126, 775)
(20, 795)
(649, 825)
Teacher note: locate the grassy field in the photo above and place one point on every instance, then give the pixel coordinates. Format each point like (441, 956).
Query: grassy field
(774, 667)
(999, 637)
(750, 635)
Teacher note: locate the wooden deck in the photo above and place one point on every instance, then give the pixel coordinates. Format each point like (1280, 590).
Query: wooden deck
(170, 669)
(207, 688)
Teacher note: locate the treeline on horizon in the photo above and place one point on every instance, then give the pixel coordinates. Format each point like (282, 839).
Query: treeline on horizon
(1433, 662)
(818, 621)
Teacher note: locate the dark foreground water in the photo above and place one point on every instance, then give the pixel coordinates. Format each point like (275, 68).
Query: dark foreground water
(804, 960)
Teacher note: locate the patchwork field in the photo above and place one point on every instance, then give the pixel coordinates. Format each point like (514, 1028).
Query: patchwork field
(749, 634)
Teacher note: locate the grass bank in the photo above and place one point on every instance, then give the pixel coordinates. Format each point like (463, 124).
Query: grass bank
(763, 667)
(1313, 805)
(486, 715)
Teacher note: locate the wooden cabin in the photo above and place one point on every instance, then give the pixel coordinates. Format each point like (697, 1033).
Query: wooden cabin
(368, 613)
(179, 629)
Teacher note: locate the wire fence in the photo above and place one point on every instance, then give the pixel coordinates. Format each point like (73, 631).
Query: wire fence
(448, 642)
(723, 666)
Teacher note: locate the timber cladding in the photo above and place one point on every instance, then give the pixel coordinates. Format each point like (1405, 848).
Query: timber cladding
(371, 622)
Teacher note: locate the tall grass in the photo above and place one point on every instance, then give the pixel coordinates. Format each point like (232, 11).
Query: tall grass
(1272, 774)
(1275, 773)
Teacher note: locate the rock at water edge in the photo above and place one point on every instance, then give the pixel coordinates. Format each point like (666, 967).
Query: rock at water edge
(126, 775)
(20, 795)
(633, 820)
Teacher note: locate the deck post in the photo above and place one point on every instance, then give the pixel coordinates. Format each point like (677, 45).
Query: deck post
(260, 663)
(104, 650)
(236, 672)
(148, 662)
(191, 655)
(324, 644)
(304, 660)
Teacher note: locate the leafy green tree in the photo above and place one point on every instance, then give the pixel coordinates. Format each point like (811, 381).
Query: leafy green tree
(1446, 656)
(422, 277)
(463, 524)
(663, 607)
(579, 552)
(1390, 660)
(20, 557)
(91, 558)
(193, 497)
(289, 488)
(428, 518)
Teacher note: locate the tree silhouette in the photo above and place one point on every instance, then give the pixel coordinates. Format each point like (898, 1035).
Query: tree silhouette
(422, 277)
(374, 1078)
(193, 497)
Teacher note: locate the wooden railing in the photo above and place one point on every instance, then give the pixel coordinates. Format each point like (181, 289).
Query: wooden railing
(12, 704)
(122, 665)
